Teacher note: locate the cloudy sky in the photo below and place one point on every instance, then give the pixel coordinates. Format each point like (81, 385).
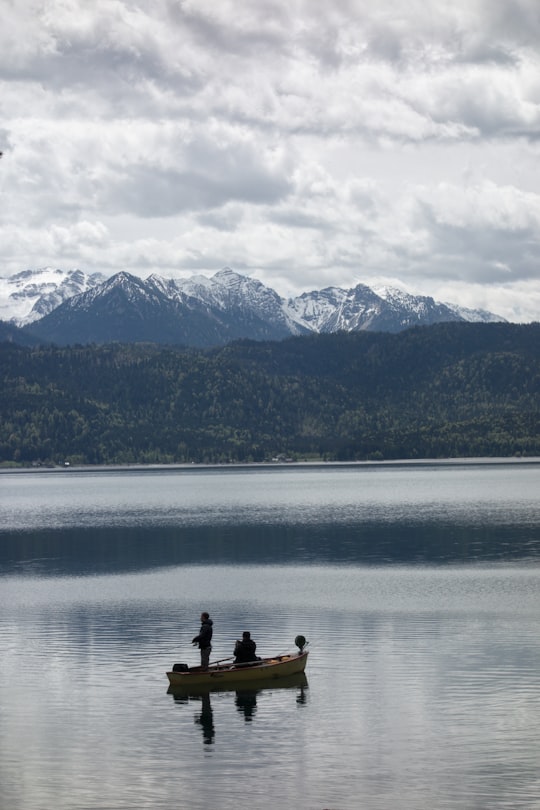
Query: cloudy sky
(305, 142)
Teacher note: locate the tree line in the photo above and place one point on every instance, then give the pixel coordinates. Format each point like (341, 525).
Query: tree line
(446, 390)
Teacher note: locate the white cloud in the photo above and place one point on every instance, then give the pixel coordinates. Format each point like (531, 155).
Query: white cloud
(307, 143)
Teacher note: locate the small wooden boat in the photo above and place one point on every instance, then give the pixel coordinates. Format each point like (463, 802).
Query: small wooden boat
(266, 669)
(188, 690)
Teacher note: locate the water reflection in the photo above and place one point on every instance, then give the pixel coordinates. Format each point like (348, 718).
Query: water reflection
(206, 720)
(435, 698)
(76, 552)
(96, 523)
(245, 700)
(246, 703)
(423, 683)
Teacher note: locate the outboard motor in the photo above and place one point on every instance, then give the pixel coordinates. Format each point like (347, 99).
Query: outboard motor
(300, 642)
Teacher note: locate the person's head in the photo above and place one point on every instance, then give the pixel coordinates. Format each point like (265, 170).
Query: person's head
(205, 616)
(246, 635)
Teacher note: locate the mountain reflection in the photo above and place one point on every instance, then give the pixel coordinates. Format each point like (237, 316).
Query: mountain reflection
(116, 550)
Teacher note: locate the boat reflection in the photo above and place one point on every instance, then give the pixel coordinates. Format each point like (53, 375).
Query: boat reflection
(245, 699)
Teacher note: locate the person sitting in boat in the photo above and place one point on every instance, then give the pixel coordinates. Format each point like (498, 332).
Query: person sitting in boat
(245, 650)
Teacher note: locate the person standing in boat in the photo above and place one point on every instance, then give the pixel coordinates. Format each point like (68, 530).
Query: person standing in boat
(245, 650)
(204, 638)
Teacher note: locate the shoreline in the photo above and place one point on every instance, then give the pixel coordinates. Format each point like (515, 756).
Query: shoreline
(277, 465)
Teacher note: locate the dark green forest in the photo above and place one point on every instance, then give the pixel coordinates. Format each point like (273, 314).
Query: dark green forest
(448, 390)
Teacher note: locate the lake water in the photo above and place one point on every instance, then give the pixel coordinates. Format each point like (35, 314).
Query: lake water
(417, 586)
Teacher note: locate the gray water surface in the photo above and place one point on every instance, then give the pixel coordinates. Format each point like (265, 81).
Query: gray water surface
(418, 587)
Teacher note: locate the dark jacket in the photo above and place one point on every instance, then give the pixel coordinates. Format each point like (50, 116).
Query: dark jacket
(245, 651)
(205, 635)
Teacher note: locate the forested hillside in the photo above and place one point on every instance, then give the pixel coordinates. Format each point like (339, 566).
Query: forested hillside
(441, 391)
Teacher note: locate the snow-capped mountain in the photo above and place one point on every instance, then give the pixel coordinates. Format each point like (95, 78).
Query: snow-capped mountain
(71, 307)
(126, 308)
(474, 315)
(242, 296)
(31, 294)
(413, 310)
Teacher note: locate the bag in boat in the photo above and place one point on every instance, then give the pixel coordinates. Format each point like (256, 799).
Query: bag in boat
(180, 668)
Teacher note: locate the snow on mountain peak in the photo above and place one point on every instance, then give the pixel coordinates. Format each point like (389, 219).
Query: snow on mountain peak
(29, 295)
(475, 315)
(244, 303)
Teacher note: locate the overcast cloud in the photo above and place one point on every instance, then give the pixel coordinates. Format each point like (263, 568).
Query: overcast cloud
(305, 142)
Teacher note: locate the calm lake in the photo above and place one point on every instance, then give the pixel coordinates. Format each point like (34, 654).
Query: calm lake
(417, 586)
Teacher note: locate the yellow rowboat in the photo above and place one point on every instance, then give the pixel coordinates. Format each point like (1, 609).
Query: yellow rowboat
(267, 669)
(184, 691)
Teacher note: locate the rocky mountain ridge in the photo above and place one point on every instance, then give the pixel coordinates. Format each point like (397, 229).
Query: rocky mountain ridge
(73, 307)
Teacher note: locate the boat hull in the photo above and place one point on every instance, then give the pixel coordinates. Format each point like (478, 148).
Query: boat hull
(268, 669)
(298, 681)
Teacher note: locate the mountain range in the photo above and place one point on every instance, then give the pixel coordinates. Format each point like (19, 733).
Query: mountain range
(67, 307)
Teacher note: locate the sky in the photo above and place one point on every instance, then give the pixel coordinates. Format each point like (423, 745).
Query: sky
(306, 143)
